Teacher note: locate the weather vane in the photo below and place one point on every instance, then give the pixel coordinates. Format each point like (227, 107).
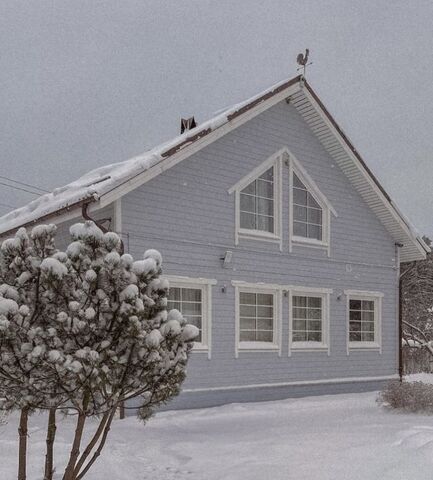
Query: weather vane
(303, 61)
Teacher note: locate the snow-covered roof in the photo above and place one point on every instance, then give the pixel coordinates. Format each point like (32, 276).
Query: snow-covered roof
(105, 184)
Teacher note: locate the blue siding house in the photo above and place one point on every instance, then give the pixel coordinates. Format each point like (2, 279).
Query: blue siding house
(278, 241)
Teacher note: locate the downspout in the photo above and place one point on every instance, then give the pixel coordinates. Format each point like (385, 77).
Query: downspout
(86, 216)
(398, 246)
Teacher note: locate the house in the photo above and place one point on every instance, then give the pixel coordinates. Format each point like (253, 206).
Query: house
(279, 243)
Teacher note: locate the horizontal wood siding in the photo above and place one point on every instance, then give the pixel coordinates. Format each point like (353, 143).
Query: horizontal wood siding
(187, 213)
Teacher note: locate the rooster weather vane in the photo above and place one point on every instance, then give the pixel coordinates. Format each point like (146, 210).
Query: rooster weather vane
(302, 60)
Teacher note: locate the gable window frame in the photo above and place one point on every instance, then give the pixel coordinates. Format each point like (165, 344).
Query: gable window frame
(311, 346)
(376, 298)
(205, 286)
(275, 162)
(258, 346)
(295, 168)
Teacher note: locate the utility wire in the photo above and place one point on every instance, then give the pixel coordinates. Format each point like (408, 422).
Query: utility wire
(25, 184)
(20, 188)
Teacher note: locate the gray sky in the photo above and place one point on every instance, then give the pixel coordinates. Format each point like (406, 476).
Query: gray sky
(87, 83)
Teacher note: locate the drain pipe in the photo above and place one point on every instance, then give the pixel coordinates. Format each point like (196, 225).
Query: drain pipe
(86, 216)
(398, 246)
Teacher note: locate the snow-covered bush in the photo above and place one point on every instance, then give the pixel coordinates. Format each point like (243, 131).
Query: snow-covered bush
(408, 396)
(87, 328)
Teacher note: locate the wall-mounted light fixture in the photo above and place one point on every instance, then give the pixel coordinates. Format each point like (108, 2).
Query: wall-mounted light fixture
(227, 258)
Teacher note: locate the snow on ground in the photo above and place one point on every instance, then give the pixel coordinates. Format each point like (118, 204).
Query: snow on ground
(420, 377)
(337, 437)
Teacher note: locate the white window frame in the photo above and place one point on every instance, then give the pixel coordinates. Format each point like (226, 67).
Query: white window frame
(325, 344)
(376, 297)
(274, 161)
(275, 290)
(296, 167)
(205, 285)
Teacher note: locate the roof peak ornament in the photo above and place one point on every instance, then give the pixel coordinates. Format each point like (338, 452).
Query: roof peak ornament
(302, 61)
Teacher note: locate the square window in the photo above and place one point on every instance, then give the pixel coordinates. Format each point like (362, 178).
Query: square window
(363, 321)
(307, 318)
(256, 322)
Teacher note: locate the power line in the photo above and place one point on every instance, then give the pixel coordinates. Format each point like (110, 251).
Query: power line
(19, 188)
(25, 184)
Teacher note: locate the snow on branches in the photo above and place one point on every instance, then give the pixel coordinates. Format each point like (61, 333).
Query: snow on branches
(87, 328)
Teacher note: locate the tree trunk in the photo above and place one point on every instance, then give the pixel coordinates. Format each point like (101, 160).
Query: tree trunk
(75, 452)
(22, 456)
(51, 434)
(107, 427)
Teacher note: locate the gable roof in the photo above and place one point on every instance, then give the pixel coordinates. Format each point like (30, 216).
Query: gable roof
(103, 185)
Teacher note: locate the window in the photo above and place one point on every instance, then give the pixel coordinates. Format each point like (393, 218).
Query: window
(364, 316)
(309, 321)
(310, 211)
(307, 213)
(193, 298)
(256, 317)
(257, 203)
(189, 302)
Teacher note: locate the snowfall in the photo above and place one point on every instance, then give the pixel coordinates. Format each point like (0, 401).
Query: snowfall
(337, 437)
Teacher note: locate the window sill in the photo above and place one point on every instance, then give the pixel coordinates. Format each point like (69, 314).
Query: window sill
(200, 348)
(309, 242)
(257, 347)
(364, 346)
(308, 347)
(258, 235)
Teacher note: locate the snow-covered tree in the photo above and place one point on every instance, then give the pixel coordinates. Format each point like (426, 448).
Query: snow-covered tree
(92, 332)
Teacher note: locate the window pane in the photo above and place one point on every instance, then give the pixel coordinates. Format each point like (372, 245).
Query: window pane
(247, 310)
(299, 301)
(191, 295)
(191, 308)
(247, 298)
(248, 203)
(314, 216)
(314, 337)
(248, 220)
(194, 321)
(265, 299)
(368, 316)
(251, 188)
(300, 229)
(367, 337)
(247, 323)
(355, 337)
(297, 183)
(300, 213)
(299, 324)
(265, 312)
(265, 323)
(265, 206)
(368, 326)
(265, 189)
(264, 336)
(299, 336)
(368, 305)
(265, 224)
(174, 293)
(315, 302)
(311, 202)
(247, 336)
(314, 232)
(355, 304)
(299, 313)
(300, 197)
(315, 325)
(268, 175)
(314, 313)
(355, 315)
(355, 326)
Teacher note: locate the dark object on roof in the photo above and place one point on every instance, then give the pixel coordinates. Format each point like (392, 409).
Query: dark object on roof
(187, 124)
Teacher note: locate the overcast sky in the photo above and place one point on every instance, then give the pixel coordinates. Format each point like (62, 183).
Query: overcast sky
(87, 83)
